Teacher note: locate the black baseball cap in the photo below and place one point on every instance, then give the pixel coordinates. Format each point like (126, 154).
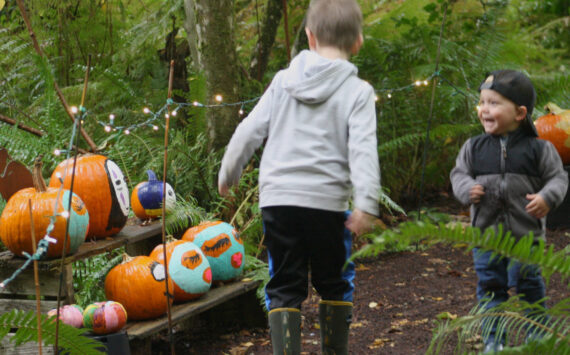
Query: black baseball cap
(516, 87)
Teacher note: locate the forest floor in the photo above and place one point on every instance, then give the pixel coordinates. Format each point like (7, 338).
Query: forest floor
(398, 297)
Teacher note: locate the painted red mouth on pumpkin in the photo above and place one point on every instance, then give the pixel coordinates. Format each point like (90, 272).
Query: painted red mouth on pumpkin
(207, 275)
(191, 259)
(217, 246)
(237, 259)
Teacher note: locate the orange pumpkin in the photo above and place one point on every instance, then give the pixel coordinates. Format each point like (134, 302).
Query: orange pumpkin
(555, 127)
(102, 186)
(15, 224)
(138, 284)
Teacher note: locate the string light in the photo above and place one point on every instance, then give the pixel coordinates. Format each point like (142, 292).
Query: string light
(74, 109)
(219, 98)
(57, 152)
(155, 127)
(146, 110)
(127, 132)
(65, 214)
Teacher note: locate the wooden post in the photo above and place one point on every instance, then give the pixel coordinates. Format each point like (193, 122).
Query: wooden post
(36, 280)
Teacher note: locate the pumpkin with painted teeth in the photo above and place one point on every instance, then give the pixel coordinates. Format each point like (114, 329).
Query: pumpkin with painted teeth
(102, 186)
(222, 245)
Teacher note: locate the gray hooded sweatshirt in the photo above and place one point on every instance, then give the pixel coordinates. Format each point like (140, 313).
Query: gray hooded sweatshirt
(319, 120)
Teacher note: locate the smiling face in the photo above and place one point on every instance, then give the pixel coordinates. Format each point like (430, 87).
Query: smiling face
(497, 114)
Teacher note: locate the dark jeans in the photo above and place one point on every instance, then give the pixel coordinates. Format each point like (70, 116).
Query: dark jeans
(298, 240)
(496, 276)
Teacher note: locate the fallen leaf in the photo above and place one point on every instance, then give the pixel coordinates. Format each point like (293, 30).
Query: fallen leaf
(400, 284)
(446, 315)
(246, 279)
(437, 261)
(437, 298)
(361, 267)
(356, 325)
(317, 326)
(430, 269)
(425, 275)
(378, 343)
(424, 254)
(373, 304)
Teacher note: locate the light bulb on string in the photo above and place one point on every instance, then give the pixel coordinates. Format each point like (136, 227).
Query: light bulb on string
(240, 112)
(426, 83)
(389, 95)
(174, 113)
(127, 132)
(57, 152)
(74, 109)
(196, 103)
(64, 214)
(376, 98)
(108, 128)
(146, 110)
(155, 127)
(418, 83)
(219, 98)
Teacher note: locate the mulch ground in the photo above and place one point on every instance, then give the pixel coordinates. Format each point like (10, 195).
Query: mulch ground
(397, 300)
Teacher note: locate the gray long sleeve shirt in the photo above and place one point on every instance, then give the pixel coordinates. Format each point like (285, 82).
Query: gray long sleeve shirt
(319, 120)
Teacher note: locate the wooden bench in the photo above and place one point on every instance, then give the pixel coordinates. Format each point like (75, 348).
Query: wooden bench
(138, 240)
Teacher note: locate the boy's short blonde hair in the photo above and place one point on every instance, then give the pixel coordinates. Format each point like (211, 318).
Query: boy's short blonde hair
(336, 23)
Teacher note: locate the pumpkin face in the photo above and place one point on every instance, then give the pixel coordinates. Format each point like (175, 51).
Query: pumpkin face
(187, 266)
(138, 284)
(105, 317)
(555, 127)
(221, 244)
(15, 225)
(146, 198)
(70, 315)
(102, 186)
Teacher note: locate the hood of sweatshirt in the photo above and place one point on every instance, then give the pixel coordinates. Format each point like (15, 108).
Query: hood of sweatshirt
(312, 78)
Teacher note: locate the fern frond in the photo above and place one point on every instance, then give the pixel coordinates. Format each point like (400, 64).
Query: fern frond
(71, 339)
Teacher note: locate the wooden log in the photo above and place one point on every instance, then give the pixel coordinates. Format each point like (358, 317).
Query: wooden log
(181, 312)
(8, 348)
(7, 304)
(24, 283)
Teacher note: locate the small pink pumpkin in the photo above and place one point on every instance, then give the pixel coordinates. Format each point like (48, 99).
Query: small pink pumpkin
(69, 314)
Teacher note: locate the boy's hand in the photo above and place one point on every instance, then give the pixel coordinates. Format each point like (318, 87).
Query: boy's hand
(223, 189)
(360, 222)
(476, 192)
(537, 207)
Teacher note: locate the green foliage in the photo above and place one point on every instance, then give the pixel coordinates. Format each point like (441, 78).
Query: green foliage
(71, 339)
(89, 276)
(257, 270)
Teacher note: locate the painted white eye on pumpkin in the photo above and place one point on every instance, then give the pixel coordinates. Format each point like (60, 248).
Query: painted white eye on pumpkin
(119, 186)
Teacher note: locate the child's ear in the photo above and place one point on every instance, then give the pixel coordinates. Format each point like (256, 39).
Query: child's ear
(356, 46)
(311, 39)
(521, 113)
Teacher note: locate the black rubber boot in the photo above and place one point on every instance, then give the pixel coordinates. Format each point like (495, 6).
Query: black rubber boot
(285, 328)
(335, 318)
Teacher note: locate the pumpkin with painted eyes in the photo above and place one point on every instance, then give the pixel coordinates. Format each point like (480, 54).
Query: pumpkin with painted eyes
(187, 266)
(146, 198)
(102, 186)
(139, 285)
(16, 226)
(105, 317)
(222, 245)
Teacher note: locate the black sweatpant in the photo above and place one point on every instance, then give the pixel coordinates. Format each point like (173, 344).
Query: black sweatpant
(300, 239)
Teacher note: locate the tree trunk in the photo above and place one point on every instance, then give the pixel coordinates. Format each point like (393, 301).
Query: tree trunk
(217, 59)
(271, 20)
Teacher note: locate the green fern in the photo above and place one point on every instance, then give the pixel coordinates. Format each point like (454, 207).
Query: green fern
(71, 339)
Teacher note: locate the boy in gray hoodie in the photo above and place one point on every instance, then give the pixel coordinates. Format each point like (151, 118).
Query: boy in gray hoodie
(510, 178)
(319, 120)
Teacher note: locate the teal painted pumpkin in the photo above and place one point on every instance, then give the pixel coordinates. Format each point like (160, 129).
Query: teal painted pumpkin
(222, 245)
(105, 317)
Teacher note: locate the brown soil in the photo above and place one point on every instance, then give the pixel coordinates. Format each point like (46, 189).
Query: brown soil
(397, 299)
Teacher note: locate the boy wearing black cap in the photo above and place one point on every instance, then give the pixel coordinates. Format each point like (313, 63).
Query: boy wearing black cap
(510, 178)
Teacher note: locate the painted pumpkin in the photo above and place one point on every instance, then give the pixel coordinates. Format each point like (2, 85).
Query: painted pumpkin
(146, 198)
(221, 244)
(138, 284)
(15, 224)
(102, 186)
(105, 317)
(69, 314)
(555, 127)
(187, 266)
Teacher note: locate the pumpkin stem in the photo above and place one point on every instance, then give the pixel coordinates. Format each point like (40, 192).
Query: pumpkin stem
(170, 238)
(151, 175)
(553, 108)
(126, 258)
(39, 183)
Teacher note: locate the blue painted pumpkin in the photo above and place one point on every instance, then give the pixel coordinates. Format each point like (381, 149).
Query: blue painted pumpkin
(222, 245)
(146, 198)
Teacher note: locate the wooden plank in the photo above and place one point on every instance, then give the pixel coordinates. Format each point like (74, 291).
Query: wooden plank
(184, 311)
(129, 234)
(8, 348)
(7, 305)
(24, 283)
